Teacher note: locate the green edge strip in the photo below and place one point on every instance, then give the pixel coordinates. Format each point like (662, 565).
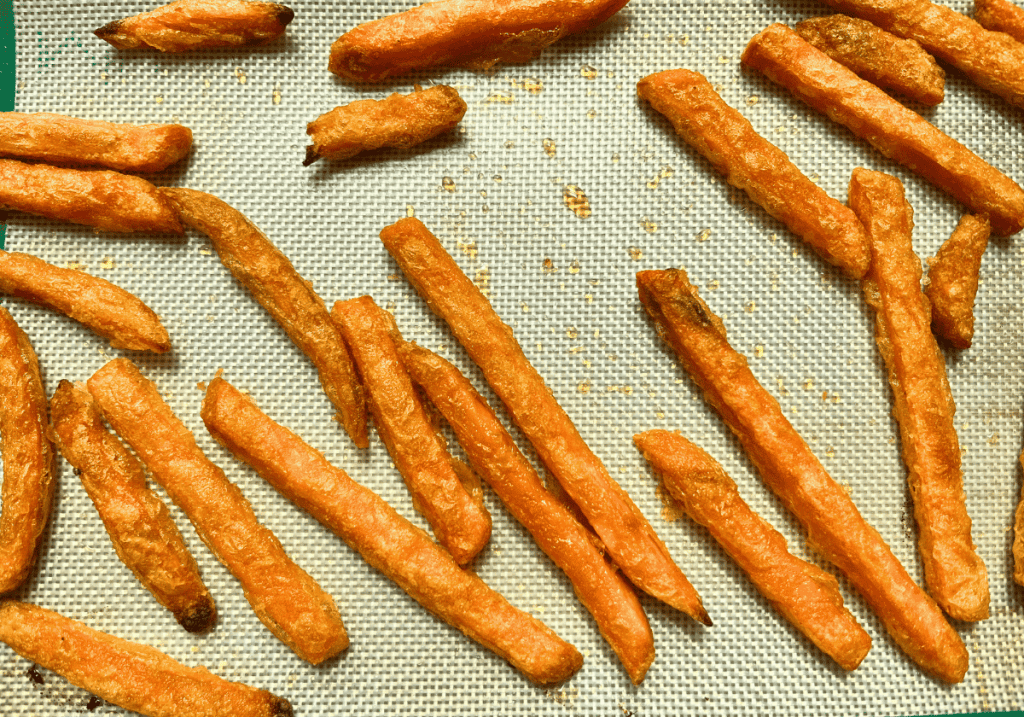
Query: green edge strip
(7, 56)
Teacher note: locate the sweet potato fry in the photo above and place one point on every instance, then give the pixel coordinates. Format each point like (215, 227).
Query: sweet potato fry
(401, 121)
(627, 536)
(805, 594)
(106, 200)
(132, 676)
(495, 457)
(268, 274)
(137, 521)
(105, 308)
(28, 475)
(385, 540)
(881, 58)
(953, 281)
(464, 33)
(1018, 535)
(894, 130)
(284, 597)
(755, 165)
(1000, 16)
(185, 25)
(789, 468)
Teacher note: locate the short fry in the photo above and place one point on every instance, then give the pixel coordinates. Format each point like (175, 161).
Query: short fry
(284, 597)
(755, 165)
(137, 521)
(953, 281)
(1000, 16)
(385, 540)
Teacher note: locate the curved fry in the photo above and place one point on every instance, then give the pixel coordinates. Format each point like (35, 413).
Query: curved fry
(953, 281)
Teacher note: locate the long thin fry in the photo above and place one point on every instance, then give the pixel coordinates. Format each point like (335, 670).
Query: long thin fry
(953, 281)
(1000, 16)
(1018, 535)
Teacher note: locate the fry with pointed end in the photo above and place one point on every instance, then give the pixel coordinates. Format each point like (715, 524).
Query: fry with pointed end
(29, 481)
(271, 278)
(127, 674)
(284, 597)
(186, 25)
(755, 165)
(789, 468)
(894, 130)
(1000, 16)
(953, 281)
(137, 521)
(385, 540)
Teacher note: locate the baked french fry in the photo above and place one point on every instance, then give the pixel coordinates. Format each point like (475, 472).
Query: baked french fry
(953, 281)
(1000, 16)
(105, 308)
(1018, 535)
(29, 480)
(185, 25)
(495, 457)
(894, 130)
(284, 597)
(755, 165)
(628, 538)
(138, 523)
(127, 674)
(385, 540)
(803, 593)
(464, 33)
(271, 278)
(880, 57)
(789, 468)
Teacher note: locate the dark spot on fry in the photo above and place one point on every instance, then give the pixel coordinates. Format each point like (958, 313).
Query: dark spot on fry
(311, 156)
(281, 707)
(109, 30)
(284, 14)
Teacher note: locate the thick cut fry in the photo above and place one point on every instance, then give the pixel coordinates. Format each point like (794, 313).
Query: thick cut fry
(106, 200)
(1000, 16)
(385, 540)
(105, 308)
(284, 597)
(879, 57)
(805, 594)
(955, 575)
(953, 281)
(789, 468)
(132, 676)
(401, 121)
(29, 480)
(1018, 535)
(268, 274)
(186, 25)
(459, 520)
(625, 532)
(894, 130)
(137, 521)
(465, 33)
(494, 455)
(755, 165)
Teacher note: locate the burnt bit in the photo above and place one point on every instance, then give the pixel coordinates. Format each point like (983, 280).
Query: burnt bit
(311, 156)
(280, 707)
(283, 14)
(35, 675)
(94, 703)
(108, 30)
(694, 308)
(199, 618)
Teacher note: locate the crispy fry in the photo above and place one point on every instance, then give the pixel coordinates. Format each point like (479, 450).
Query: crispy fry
(1000, 16)
(107, 309)
(955, 575)
(755, 165)
(106, 200)
(953, 281)
(268, 274)
(494, 455)
(627, 536)
(464, 33)
(894, 130)
(805, 594)
(28, 475)
(879, 57)
(1018, 535)
(137, 521)
(185, 25)
(284, 597)
(789, 468)
(127, 674)
(385, 540)
(460, 521)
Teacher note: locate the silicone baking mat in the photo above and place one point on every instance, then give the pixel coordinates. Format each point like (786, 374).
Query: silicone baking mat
(568, 124)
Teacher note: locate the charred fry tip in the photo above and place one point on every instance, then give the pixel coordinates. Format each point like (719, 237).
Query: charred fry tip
(284, 14)
(199, 618)
(311, 156)
(280, 707)
(703, 618)
(110, 29)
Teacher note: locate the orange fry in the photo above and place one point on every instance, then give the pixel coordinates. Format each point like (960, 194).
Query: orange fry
(284, 597)
(789, 468)
(137, 521)
(1000, 16)
(755, 165)
(953, 281)
(385, 540)
(894, 130)
(1018, 535)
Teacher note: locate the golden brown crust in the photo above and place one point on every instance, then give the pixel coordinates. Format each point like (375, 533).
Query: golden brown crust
(894, 130)
(284, 597)
(1000, 16)
(1018, 535)
(267, 273)
(755, 165)
(385, 540)
(953, 281)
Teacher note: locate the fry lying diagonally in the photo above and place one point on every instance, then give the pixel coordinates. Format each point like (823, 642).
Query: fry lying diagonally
(953, 281)
(1000, 16)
